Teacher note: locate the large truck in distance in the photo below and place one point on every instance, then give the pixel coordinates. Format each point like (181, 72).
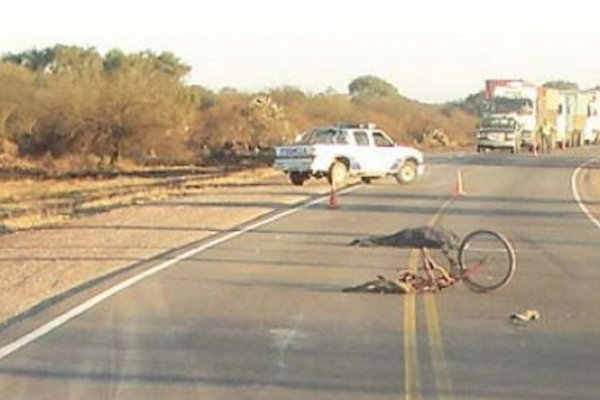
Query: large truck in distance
(591, 130)
(566, 111)
(571, 114)
(516, 99)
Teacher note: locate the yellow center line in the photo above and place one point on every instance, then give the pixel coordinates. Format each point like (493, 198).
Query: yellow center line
(443, 384)
(412, 380)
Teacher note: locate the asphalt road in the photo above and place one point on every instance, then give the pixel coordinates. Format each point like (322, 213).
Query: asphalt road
(260, 314)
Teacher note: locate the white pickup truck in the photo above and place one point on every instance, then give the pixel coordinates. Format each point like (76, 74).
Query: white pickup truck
(338, 151)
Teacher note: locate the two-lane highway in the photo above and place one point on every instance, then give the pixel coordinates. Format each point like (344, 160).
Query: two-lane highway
(261, 315)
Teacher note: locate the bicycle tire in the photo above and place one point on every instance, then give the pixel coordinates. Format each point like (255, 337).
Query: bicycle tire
(493, 280)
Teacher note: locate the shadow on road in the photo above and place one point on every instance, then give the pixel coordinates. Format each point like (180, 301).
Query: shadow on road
(553, 160)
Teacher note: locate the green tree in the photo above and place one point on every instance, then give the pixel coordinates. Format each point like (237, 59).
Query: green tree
(113, 60)
(371, 86)
(133, 105)
(202, 97)
(33, 59)
(218, 128)
(165, 63)
(76, 61)
(142, 111)
(20, 102)
(59, 59)
(561, 85)
(267, 121)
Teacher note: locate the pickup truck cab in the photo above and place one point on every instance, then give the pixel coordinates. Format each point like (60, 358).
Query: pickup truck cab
(339, 151)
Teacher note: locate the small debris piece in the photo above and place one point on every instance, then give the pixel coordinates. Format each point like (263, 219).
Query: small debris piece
(527, 316)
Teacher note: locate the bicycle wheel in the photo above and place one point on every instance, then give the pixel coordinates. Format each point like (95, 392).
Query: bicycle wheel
(487, 260)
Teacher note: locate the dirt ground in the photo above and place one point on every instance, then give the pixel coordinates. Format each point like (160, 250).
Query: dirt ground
(28, 201)
(41, 263)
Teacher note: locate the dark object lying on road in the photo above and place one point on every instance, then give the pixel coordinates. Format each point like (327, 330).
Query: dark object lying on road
(381, 285)
(427, 237)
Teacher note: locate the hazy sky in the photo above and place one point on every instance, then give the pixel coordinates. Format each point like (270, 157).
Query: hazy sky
(430, 50)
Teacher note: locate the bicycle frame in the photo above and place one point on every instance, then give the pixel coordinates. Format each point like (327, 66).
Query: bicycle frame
(428, 282)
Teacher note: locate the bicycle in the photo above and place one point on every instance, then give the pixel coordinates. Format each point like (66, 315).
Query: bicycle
(485, 261)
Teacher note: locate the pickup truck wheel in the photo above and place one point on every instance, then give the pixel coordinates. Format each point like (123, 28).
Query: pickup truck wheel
(337, 173)
(297, 178)
(407, 172)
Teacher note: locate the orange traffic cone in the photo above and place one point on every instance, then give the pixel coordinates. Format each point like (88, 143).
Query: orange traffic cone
(332, 204)
(459, 191)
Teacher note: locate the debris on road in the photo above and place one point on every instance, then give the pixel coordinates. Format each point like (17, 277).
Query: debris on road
(527, 316)
(382, 285)
(431, 237)
(423, 238)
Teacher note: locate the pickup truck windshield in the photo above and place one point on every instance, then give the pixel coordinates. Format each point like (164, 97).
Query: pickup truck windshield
(381, 140)
(499, 123)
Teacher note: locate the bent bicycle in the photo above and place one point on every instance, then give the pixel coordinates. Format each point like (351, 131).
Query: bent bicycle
(486, 261)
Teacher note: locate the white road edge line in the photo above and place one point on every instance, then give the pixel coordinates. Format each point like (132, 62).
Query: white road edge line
(576, 195)
(90, 303)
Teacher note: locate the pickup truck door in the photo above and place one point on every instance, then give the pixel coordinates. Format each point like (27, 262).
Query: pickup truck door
(363, 151)
(375, 152)
(385, 151)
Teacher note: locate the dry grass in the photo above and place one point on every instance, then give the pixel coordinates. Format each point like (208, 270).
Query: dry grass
(28, 203)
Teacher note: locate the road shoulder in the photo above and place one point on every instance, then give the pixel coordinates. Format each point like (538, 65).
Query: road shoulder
(588, 187)
(37, 265)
